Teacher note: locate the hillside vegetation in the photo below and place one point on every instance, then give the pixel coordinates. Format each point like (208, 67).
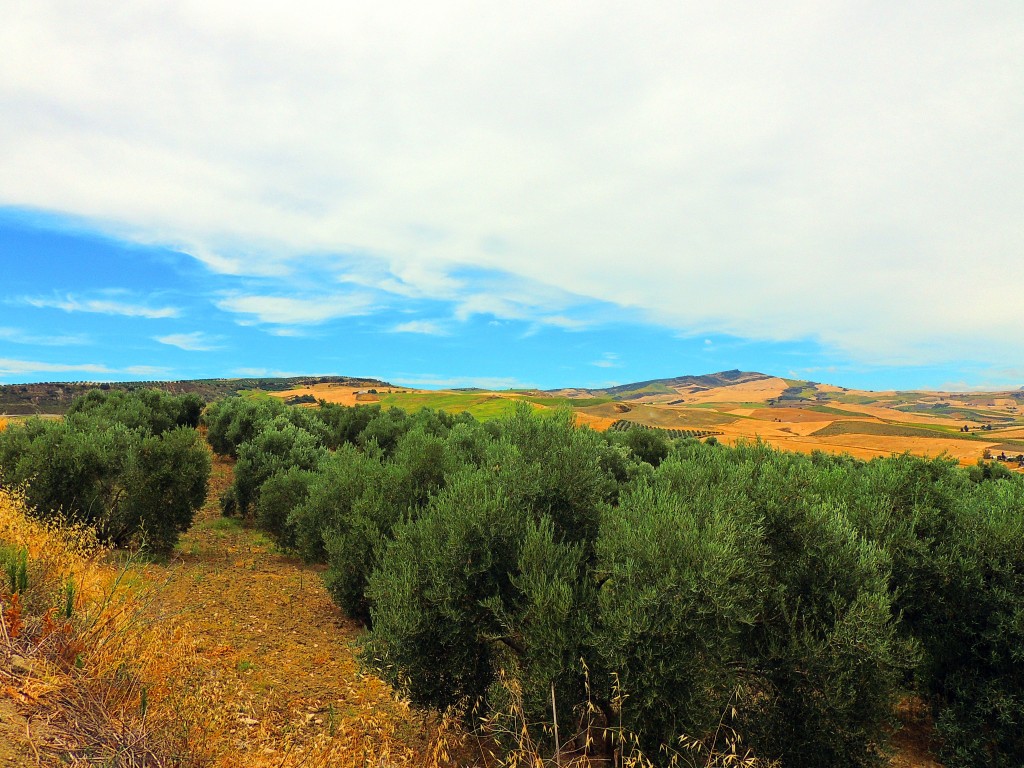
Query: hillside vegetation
(587, 594)
(651, 584)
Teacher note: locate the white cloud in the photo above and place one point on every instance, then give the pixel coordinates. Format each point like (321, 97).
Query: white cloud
(101, 306)
(436, 381)
(836, 171)
(263, 373)
(20, 336)
(145, 370)
(608, 360)
(11, 367)
(427, 327)
(196, 341)
(291, 311)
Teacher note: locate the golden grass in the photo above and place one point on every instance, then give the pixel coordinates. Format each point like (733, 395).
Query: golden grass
(74, 651)
(126, 681)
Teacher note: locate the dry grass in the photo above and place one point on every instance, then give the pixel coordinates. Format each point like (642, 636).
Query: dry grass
(134, 679)
(276, 681)
(76, 657)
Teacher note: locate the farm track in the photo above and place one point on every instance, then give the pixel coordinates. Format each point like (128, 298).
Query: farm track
(276, 655)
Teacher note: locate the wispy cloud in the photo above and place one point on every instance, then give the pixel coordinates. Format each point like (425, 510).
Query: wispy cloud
(437, 381)
(261, 373)
(283, 310)
(197, 341)
(11, 367)
(608, 360)
(145, 370)
(427, 327)
(20, 336)
(70, 303)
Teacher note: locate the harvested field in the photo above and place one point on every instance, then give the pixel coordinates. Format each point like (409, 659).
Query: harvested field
(761, 390)
(331, 393)
(792, 415)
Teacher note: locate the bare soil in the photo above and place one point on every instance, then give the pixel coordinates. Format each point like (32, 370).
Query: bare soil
(274, 648)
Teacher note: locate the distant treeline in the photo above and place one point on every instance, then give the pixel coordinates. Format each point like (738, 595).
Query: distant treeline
(55, 397)
(669, 584)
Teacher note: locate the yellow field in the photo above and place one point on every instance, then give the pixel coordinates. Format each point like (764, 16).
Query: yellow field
(870, 423)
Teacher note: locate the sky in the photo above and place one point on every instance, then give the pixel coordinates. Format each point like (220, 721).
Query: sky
(505, 195)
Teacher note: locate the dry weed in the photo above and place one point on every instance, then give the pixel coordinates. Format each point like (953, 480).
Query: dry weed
(598, 743)
(75, 652)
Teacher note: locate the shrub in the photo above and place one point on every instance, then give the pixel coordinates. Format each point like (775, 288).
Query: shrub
(279, 496)
(151, 410)
(969, 595)
(236, 420)
(277, 447)
(681, 578)
(341, 480)
(472, 586)
(131, 484)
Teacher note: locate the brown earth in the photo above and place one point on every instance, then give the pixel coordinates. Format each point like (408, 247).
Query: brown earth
(277, 654)
(15, 736)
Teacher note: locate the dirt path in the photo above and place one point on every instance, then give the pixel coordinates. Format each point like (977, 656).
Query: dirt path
(274, 653)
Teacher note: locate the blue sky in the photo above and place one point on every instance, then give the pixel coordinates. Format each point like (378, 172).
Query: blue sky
(545, 195)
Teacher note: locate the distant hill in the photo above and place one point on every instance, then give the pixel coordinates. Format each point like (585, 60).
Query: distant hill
(671, 386)
(709, 380)
(56, 397)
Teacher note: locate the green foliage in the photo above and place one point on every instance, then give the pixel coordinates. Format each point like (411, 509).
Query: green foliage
(236, 420)
(339, 483)
(162, 483)
(647, 445)
(968, 593)
(680, 580)
(799, 592)
(148, 409)
(14, 565)
(477, 584)
(282, 493)
(136, 481)
(278, 446)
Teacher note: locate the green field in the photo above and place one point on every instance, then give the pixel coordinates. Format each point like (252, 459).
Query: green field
(483, 406)
(572, 402)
